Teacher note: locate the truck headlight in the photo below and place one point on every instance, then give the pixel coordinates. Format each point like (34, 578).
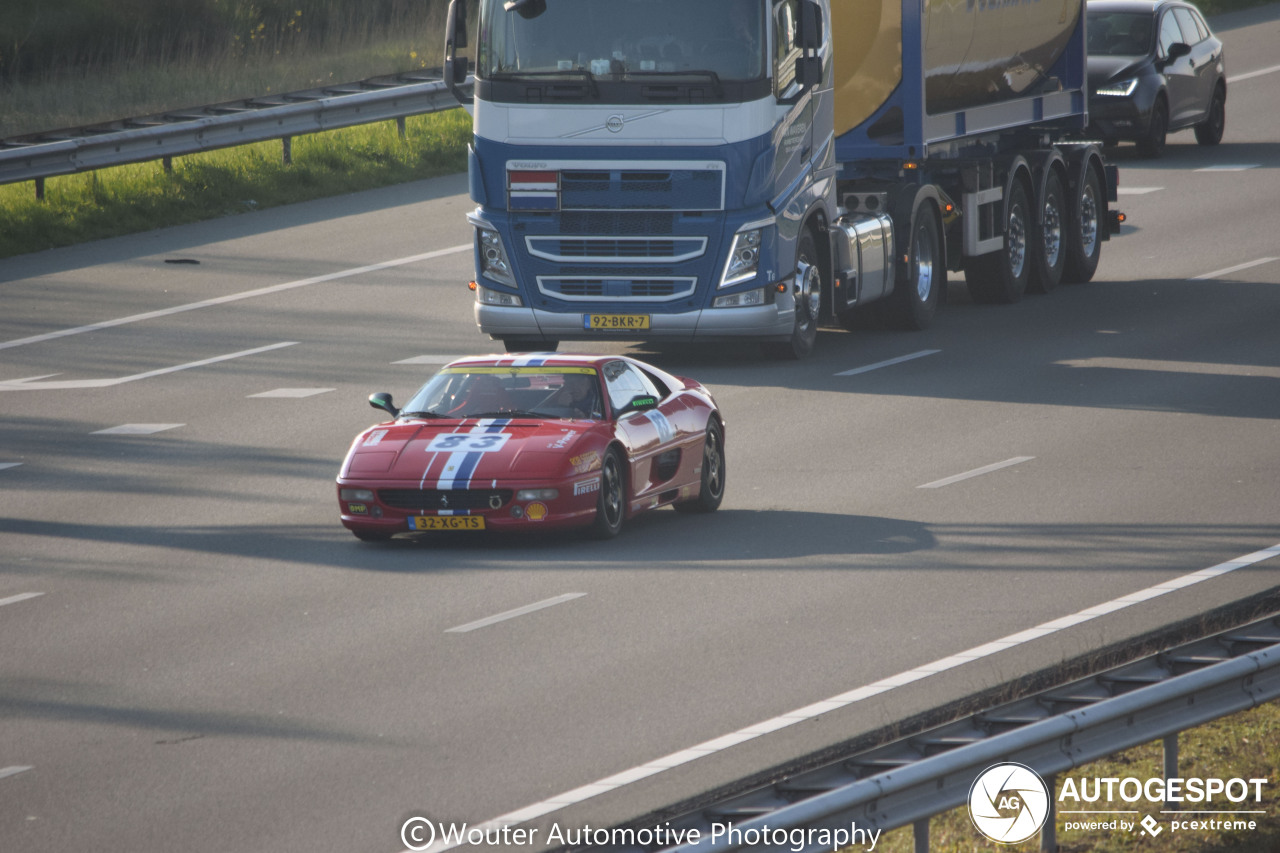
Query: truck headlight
(1121, 89)
(489, 296)
(744, 258)
(493, 258)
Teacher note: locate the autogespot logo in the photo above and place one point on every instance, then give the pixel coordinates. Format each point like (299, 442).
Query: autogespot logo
(1008, 803)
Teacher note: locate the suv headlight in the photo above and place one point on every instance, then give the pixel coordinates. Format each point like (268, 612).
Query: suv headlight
(493, 258)
(1120, 89)
(744, 258)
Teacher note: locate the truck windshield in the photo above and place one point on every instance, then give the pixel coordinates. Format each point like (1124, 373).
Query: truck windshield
(623, 39)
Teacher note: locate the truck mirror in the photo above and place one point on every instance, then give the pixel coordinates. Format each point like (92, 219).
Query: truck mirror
(808, 71)
(455, 67)
(809, 33)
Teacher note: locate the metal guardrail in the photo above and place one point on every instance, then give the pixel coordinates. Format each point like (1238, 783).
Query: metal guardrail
(225, 125)
(908, 781)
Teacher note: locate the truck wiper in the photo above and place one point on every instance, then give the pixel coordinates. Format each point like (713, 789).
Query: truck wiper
(579, 72)
(669, 75)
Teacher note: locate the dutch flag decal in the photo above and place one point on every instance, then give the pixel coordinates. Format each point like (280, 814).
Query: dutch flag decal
(530, 190)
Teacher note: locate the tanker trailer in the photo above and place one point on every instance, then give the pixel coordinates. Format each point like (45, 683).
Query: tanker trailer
(705, 170)
(953, 128)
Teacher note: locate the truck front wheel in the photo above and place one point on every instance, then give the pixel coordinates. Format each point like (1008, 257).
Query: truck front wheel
(807, 292)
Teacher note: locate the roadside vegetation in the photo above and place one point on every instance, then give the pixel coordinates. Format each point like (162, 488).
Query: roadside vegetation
(1246, 745)
(72, 63)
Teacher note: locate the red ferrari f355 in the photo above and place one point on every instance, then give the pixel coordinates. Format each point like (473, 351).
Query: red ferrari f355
(535, 441)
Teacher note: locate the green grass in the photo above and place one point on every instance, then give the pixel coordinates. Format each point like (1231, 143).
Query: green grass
(1245, 745)
(136, 198)
(139, 197)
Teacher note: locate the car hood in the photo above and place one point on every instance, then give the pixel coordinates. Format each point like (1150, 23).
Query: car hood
(1103, 69)
(460, 452)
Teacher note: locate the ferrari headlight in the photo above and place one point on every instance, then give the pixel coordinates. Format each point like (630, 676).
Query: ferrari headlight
(493, 258)
(744, 258)
(355, 494)
(1120, 89)
(537, 495)
(488, 296)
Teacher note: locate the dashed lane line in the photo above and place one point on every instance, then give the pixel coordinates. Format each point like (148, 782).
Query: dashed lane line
(976, 472)
(512, 614)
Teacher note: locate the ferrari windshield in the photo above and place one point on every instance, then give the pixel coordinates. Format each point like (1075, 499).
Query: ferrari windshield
(508, 392)
(617, 39)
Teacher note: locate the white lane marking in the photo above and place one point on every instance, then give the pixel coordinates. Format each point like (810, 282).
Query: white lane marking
(976, 472)
(884, 685)
(6, 465)
(428, 359)
(889, 363)
(512, 614)
(64, 384)
(24, 596)
(1230, 167)
(1248, 75)
(293, 393)
(12, 771)
(1236, 268)
(1137, 190)
(136, 429)
(234, 297)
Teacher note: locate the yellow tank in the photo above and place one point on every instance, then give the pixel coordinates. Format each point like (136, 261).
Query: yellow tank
(975, 51)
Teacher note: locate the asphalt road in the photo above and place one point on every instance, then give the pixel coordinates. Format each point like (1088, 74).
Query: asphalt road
(195, 655)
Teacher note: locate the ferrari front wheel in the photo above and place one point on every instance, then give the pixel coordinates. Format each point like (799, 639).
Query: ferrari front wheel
(611, 500)
(711, 488)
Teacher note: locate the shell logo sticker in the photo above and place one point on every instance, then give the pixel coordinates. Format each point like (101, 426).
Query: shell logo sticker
(536, 511)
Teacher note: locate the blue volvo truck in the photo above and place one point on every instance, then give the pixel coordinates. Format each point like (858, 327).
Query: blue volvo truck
(703, 170)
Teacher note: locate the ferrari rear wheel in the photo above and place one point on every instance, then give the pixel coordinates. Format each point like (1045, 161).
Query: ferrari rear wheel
(611, 500)
(711, 492)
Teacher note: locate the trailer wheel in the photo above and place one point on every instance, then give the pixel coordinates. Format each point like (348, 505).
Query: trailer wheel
(529, 345)
(915, 300)
(808, 300)
(1084, 230)
(1048, 255)
(1001, 277)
